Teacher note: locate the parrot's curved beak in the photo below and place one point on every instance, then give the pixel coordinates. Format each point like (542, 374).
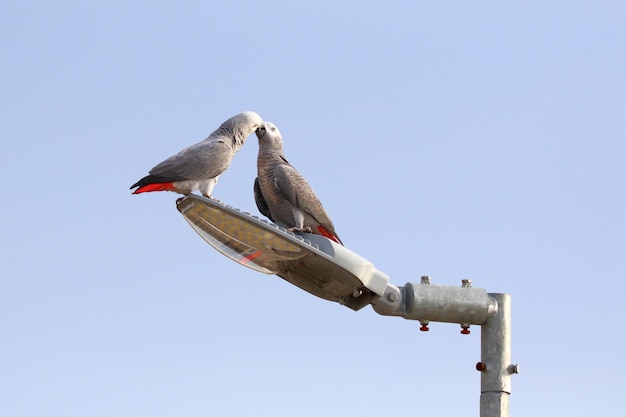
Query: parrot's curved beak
(260, 131)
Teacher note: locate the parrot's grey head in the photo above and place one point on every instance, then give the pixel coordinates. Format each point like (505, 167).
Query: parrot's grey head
(241, 126)
(249, 118)
(269, 136)
(247, 121)
(267, 130)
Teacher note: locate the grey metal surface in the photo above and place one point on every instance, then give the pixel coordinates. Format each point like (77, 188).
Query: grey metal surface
(426, 302)
(495, 361)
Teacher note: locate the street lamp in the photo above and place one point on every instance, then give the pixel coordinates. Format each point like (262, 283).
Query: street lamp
(333, 272)
(312, 262)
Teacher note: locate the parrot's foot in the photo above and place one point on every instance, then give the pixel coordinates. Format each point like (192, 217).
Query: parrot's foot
(300, 229)
(179, 199)
(212, 198)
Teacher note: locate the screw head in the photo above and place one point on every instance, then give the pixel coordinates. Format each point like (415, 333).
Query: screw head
(392, 296)
(513, 369)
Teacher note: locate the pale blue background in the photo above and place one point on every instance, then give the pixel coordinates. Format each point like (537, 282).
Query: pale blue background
(454, 139)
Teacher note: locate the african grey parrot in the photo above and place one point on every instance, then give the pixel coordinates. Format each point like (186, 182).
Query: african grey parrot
(198, 166)
(282, 194)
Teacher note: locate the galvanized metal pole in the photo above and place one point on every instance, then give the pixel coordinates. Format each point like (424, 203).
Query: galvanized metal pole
(495, 360)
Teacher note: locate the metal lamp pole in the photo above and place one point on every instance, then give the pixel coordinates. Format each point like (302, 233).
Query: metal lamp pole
(464, 305)
(495, 360)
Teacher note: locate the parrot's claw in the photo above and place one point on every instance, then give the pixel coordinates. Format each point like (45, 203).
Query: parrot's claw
(212, 198)
(300, 229)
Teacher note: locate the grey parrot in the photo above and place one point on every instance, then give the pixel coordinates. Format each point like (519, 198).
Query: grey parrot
(198, 166)
(282, 194)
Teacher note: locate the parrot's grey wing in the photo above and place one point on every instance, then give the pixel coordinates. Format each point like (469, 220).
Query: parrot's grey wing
(203, 160)
(298, 191)
(260, 200)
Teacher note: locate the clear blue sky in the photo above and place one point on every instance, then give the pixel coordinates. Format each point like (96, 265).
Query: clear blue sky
(458, 140)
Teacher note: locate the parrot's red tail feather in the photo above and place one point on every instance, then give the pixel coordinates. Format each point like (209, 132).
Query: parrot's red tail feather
(324, 232)
(160, 186)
